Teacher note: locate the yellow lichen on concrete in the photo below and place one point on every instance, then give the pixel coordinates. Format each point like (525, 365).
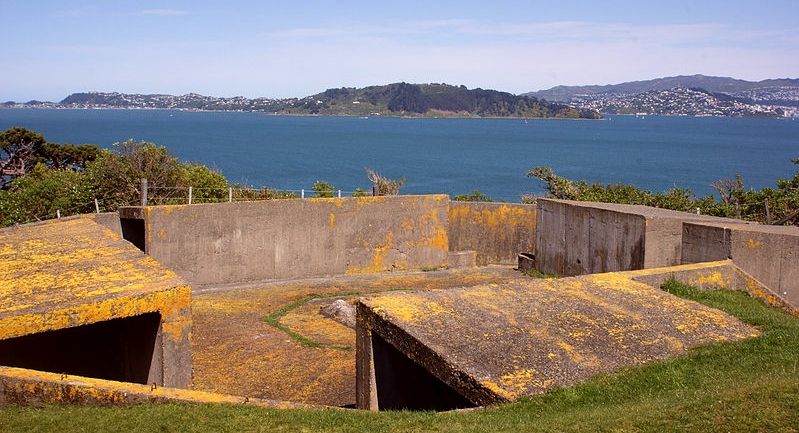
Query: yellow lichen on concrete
(713, 279)
(408, 307)
(76, 272)
(377, 263)
(41, 387)
(527, 336)
(236, 352)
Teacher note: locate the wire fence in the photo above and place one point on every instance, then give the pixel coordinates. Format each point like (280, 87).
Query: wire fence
(156, 196)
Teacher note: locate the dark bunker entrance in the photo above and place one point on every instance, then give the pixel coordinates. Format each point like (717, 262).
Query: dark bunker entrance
(119, 349)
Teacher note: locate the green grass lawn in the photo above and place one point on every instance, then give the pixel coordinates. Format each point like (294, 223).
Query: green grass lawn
(751, 385)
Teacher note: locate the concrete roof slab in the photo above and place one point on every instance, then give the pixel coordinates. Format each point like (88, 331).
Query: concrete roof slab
(74, 272)
(499, 342)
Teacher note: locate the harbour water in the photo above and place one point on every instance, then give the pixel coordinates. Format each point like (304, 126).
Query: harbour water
(443, 155)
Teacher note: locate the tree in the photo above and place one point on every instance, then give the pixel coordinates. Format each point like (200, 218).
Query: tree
(19, 148)
(118, 173)
(60, 156)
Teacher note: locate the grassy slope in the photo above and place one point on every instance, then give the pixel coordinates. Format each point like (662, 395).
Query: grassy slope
(751, 385)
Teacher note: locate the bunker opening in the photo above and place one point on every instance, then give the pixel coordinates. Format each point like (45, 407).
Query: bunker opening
(133, 231)
(119, 349)
(402, 384)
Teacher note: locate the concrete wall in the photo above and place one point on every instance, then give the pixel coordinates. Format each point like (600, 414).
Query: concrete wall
(239, 242)
(770, 254)
(575, 238)
(497, 232)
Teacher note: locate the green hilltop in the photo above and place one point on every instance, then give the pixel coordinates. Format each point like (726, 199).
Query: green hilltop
(431, 100)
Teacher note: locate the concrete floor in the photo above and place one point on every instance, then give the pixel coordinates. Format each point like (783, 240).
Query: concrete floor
(302, 356)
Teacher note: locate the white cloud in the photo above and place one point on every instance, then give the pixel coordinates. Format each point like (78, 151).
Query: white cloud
(165, 12)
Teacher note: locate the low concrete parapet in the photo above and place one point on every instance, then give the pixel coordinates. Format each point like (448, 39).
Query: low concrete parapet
(577, 238)
(770, 254)
(461, 259)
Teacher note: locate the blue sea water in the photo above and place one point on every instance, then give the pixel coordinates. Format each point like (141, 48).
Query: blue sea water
(443, 155)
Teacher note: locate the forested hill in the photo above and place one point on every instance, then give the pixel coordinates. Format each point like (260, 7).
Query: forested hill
(398, 99)
(436, 100)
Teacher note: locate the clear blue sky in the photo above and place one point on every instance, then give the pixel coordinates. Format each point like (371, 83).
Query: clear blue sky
(49, 49)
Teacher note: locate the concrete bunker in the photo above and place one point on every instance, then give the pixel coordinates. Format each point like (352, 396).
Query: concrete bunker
(76, 299)
(529, 336)
(91, 284)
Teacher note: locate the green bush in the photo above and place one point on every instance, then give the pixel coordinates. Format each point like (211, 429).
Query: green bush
(473, 196)
(734, 200)
(324, 189)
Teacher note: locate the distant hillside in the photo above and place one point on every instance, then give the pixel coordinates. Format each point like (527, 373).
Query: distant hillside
(679, 102)
(400, 99)
(434, 100)
(783, 92)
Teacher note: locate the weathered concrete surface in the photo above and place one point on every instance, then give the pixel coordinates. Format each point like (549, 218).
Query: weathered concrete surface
(770, 254)
(498, 232)
(75, 277)
(20, 386)
(237, 352)
(461, 259)
(504, 341)
(277, 239)
(576, 238)
(109, 220)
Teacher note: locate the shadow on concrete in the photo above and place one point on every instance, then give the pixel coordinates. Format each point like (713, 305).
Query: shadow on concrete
(119, 349)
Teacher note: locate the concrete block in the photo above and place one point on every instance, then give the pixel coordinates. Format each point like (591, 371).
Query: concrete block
(526, 262)
(550, 241)
(769, 254)
(758, 254)
(789, 270)
(705, 243)
(461, 259)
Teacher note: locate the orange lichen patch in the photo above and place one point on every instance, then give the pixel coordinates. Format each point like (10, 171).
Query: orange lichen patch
(493, 218)
(331, 220)
(236, 352)
(529, 335)
(76, 272)
(377, 263)
(23, 385)
(753, 244)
